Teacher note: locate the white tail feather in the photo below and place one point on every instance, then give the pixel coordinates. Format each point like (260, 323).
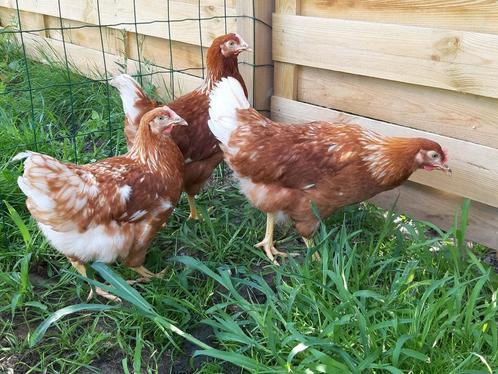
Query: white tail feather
(37, 190)
(21, 156)
(130, 92)
(225, 99)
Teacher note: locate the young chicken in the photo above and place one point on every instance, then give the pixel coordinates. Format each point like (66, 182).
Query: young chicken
(283, 169)
(199, 147)
(110, 209)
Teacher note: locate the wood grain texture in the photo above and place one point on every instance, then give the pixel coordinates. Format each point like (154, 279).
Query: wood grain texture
(216, 3)
(475, 167)
(90, 63)
(183, 53)
(120, 14)
(453, 60)
(288, 6)
(465, 15)
(245, 27)
(285, 81)
(462, 116)
(89, 37)
(440, 208)
(29, 20)
(263, 75)
(157, 51)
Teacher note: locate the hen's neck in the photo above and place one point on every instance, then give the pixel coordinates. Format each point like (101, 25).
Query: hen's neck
(220, 67)
(150, 149)
(391, 160)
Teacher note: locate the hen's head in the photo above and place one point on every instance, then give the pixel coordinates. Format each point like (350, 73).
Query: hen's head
(161, 120)
(431, 156)
(231, 45)
(227, 46)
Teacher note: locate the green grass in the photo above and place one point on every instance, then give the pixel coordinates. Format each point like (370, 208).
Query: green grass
(388, 296)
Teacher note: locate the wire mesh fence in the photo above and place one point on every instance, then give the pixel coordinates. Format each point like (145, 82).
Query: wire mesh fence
(57, 58)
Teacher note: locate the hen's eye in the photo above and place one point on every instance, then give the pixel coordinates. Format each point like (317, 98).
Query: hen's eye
(231, 43)
(161, 118)
(434, 155)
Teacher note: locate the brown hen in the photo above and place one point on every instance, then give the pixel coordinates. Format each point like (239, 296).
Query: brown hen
(110, 209)
(283, 169)
(199, 147)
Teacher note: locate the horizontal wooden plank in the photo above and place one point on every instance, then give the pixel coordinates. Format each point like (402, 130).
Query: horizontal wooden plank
(465, 15)
(440, 208)
(114, 40)
(475, 170)
(29, 20)
(153, 11)
(217, 3)
(453, 60)
(152, 49)
(157, 51)
(90, 62)
(462, 116)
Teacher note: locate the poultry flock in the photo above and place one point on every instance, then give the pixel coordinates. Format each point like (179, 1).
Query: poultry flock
(112, 209)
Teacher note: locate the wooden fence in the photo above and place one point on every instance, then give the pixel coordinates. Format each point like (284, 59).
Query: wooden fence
(403, 67)
(139, 31)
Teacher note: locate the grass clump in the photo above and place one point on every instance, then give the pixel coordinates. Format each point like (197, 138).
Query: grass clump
(387, 297)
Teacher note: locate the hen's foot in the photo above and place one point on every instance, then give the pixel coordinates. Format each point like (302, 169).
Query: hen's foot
(81, 268)
(270, 250)
(146, 274)
(309, 244)
(99, 291)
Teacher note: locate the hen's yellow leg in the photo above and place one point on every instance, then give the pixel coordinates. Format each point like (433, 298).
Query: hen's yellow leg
(193, 208)
(309, 244)
(267, 242)
(80, 267)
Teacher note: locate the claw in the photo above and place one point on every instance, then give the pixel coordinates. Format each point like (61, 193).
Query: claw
(309, 244)
(99, 291)
(269, 249)
(146, 274)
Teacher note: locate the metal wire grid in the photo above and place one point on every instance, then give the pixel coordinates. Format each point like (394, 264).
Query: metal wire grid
(106, 76)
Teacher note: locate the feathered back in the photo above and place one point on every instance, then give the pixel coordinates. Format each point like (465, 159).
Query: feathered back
(226, 98)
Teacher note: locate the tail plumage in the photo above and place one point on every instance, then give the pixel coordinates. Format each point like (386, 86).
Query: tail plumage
(225, 99)
(133, 97)
(33, 182)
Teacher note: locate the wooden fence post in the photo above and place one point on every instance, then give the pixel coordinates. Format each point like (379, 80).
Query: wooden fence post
(252, 25)
(286, 74)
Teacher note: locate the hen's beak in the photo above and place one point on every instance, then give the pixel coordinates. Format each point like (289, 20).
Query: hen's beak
(179, 122)
(446, 169)
(244, 47)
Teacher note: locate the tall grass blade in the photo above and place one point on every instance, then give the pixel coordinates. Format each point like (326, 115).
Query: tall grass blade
(23, 229)
(54, 317)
